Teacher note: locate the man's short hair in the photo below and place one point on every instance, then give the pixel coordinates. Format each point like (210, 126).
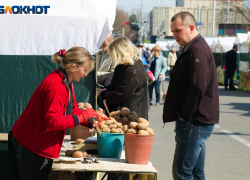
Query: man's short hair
(235, 46)
(186, 18)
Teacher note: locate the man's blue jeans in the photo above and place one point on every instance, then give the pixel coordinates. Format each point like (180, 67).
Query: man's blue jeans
(157, 85)
(189, 157)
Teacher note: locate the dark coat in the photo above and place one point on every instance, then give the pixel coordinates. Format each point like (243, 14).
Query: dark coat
(193, 89)
(231, 59)
(128, 89)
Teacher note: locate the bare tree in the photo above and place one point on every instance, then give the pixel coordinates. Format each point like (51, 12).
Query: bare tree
(120, 23)
(241, 7)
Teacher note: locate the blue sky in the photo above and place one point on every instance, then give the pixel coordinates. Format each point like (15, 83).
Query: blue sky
(128, 5)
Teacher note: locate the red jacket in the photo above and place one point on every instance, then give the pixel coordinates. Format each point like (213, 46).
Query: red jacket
(41, 126)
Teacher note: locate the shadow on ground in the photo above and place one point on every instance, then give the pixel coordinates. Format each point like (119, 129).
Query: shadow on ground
(240, 106)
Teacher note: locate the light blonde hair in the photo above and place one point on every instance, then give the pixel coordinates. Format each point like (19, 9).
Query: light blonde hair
(75, 55)
(123, 51)
(156, 48)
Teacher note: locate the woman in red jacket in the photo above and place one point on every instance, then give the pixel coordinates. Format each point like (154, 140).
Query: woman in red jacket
(38, 134)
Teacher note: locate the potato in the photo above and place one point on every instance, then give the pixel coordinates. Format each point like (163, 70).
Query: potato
(151, 132)
(118, 113)
(84, 153)
(121, 131)
(108, 122)
(125, 121)
(132, 131)
(125, 128)
(143, 132)
(81, 106)
(106, 130)
(69, 153)
(142, 126)
(113, 130)
(112, 114)
(135, 114)
(118, 124)
(131, 117)
(112, 126)
(102, 123)
(133, 124)
(77, 154)
(87, 105)
(125, 112)
(104, 126)
(111, 118)
(117, 118)
(142, 120)
(79, 141)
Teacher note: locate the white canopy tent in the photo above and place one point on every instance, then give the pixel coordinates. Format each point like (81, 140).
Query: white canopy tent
(213, 45)
(149, 45)
(83, 23)
(240, 38)
(224, 44)
(245, 44)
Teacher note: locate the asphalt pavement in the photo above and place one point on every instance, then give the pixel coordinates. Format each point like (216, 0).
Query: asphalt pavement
(228, 148)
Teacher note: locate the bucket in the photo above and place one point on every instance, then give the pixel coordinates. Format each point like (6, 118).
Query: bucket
(110, 145)
(80, 132)
(138, 148)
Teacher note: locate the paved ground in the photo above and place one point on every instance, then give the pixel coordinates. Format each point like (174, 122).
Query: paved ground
(228, 148)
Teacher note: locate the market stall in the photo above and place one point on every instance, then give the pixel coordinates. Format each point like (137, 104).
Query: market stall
(29, 39)
(244, 65)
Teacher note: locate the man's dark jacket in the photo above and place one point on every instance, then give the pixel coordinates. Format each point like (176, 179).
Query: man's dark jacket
(128, 88)
(231, 58)
(193, 89)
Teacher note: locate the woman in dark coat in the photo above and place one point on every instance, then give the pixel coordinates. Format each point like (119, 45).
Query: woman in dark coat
(129, 84)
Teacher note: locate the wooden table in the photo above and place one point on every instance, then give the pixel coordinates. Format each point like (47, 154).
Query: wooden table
(109, 165)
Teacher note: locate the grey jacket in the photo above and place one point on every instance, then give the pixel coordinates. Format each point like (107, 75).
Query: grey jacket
(106, 66)
(160, 67)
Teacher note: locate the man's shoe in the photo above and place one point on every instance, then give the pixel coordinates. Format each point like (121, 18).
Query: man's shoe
(226, 89)
(157, 104)
(151, 104)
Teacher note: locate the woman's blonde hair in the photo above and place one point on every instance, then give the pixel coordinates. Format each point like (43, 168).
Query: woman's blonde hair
(123, 51)
(157, 48)
(75, 55)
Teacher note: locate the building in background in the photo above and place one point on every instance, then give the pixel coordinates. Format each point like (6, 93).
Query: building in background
(160, 18)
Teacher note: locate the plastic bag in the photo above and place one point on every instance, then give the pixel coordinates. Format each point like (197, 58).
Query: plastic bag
(150, 77)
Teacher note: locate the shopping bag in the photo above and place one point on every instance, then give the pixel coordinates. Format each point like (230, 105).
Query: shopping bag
(150, 77)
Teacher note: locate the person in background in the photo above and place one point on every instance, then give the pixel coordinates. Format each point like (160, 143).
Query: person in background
(231, 68)
(105, 67)
(172, 57)
(149, 54)
(179, 52)
(158, 67)
(144, 61)
(192, 98)
(129, 84)
(144, 52)
(37, 136)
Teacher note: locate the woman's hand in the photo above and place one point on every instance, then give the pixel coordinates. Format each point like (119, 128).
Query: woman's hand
(160, 76)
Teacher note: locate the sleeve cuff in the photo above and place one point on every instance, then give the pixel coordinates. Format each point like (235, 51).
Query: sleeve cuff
(76, 120)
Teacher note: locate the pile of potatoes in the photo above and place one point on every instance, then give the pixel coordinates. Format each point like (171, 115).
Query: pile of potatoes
(111, 126)
(124, 116)
(139, 127)
(84, 106)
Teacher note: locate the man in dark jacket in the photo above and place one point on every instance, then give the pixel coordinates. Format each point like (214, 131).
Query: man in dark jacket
(192, 99)
(231, 60)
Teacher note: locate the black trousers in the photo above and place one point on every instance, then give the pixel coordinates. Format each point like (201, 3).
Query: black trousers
(26, 165)
(229, 75)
